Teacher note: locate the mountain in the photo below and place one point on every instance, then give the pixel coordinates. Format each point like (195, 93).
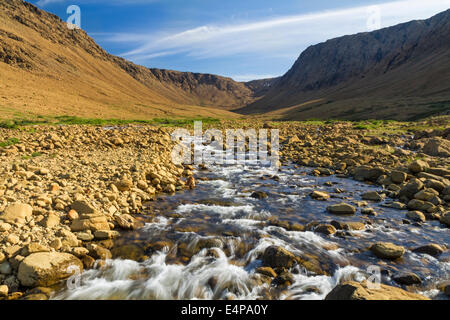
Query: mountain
(400, 72)
(48, 69)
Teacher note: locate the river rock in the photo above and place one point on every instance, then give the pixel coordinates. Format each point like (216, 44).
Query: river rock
(431, 249)
(52, 220)
(341, 208)
(387, 250)
(407, 279)
(373, 196)
(83, 207)
(398, 177)
(126, 222)
(418, 166)
(416, 216)
(34, 247)
(320, 195)
(409, 190)
(259, 195)
(360, 291)
(46, 268)
(3, 291)
(93, 222)
(105, 234)
(266, 271)
(325, 229)
(437, 147)
(277, 257)
(17, 213)
(445, 218)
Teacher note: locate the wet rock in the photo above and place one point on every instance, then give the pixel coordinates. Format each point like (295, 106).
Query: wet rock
(418, 166)
(353, 225)
(407, 279)
(259, 195)
(276, 257)
(361, 291)
(416, 216)
(373, 196)
(409, 190)
(431, 249)
(46, 268)
(341, 208)
(387, 250)
(368, 173)
(98, 252)
(105, 234)
(419, 205)
(126, 222)
(17, 213)
(284, 279)
(129, 252)
(445, 218)
(320, 195)
(266, 271)
(325, 229)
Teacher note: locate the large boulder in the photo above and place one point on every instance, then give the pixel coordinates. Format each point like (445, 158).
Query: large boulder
(387, 250)
(360, 291)
(277, 257)
(17, 213)
(47, 268)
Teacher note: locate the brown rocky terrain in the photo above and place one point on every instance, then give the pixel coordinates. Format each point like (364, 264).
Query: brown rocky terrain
(400, 72)
(66, 192)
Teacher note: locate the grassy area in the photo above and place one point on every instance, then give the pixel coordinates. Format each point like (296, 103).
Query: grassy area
(72, 120)
(9, 142)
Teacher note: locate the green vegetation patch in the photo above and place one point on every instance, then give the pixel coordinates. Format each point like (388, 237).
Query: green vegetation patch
(9, 142)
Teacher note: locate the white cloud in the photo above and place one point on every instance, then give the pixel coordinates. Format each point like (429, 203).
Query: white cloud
(249, 77)
(279, 36)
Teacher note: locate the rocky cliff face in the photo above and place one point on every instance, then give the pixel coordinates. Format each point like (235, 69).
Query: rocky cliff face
(404, 57)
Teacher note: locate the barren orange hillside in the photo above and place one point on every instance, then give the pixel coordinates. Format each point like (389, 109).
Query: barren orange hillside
(47, 69)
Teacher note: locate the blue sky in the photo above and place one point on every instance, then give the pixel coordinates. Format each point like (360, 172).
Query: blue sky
(242, 39)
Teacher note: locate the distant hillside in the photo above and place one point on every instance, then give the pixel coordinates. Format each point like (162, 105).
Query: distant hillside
(48, 69)
(401, 72)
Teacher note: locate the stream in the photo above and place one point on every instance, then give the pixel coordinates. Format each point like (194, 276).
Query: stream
(206, 243)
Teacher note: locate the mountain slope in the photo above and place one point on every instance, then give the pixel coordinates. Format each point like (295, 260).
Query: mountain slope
(401, 72)
(47, 69)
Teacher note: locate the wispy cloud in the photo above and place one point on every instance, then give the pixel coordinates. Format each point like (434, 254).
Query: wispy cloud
(278, 36)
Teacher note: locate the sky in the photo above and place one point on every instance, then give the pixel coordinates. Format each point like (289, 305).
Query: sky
(241, 39)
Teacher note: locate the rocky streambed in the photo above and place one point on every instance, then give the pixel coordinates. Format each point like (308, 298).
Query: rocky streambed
(102, 213)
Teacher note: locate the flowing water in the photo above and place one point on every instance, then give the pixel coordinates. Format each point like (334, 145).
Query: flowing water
(206, 243)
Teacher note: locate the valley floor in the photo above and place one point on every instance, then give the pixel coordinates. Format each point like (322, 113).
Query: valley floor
(347, 196)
